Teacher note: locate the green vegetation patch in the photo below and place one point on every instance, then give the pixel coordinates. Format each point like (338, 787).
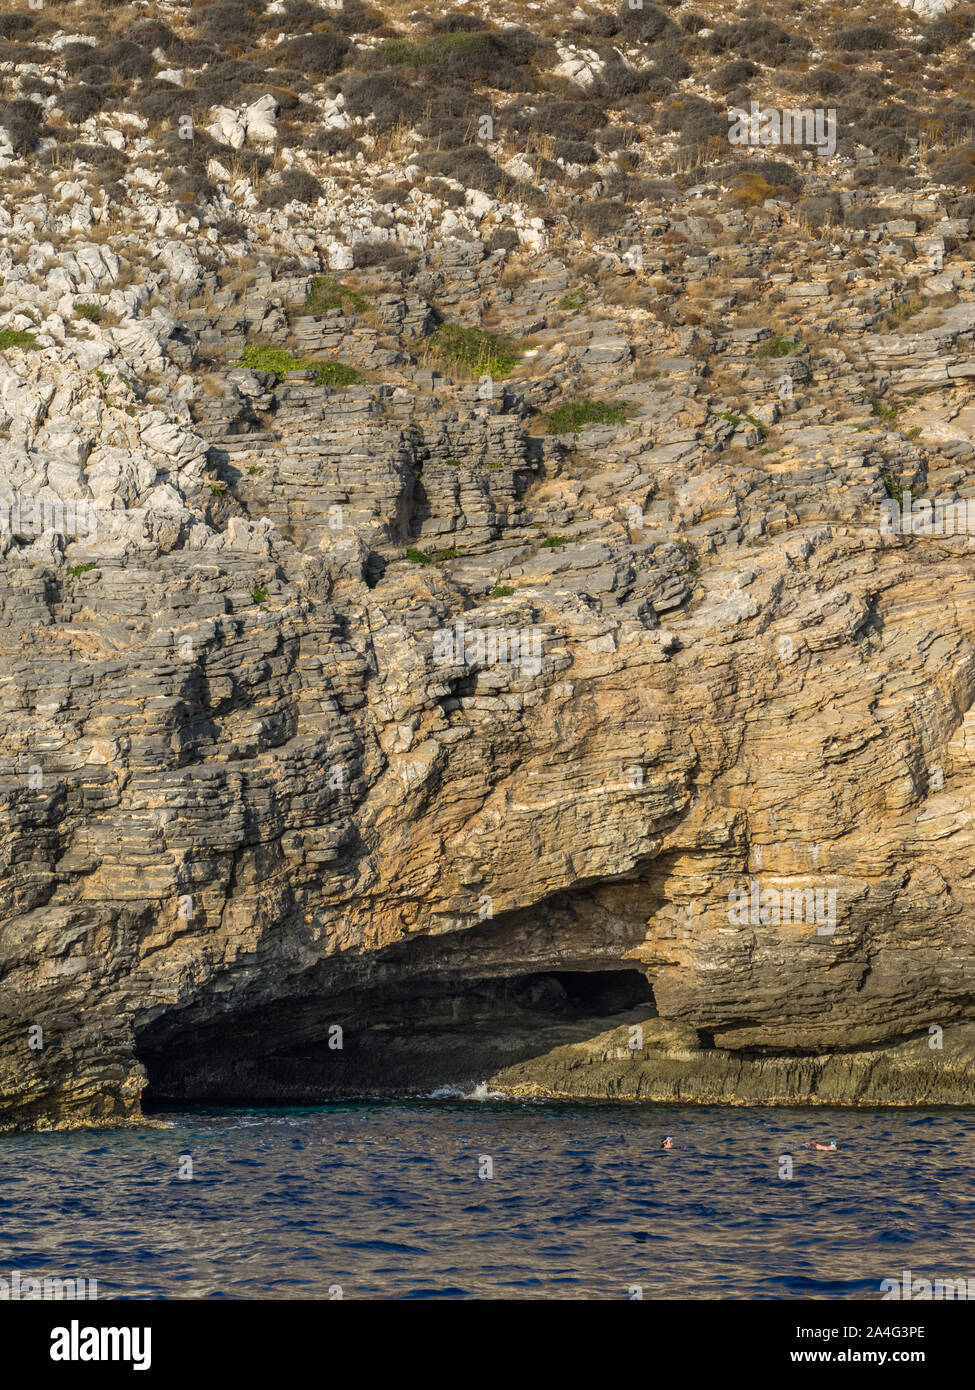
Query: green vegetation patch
(572, 417)
(326, 294)
(893, 489)
(91, 312)
(775, 347)
(429, 557)
(689, 554)
(335, 373)
(738, 420)
(76, 571)
(261, 357)
(474, 350)
(436, 52)
(17, 338)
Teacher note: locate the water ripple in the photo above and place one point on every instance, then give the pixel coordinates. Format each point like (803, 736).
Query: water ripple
(387, 1201)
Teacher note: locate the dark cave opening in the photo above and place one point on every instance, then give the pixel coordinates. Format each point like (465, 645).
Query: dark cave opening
(605, 992)
(407, 1037)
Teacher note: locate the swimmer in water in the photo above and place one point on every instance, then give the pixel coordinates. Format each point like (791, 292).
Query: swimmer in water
(668, 1142)
(824, 1148)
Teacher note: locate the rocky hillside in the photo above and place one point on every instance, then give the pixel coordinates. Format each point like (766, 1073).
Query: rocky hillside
(485, 574)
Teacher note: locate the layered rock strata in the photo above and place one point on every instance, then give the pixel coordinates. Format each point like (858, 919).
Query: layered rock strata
(583, 718)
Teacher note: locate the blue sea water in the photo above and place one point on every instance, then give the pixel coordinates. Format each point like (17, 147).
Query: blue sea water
(390, 1201)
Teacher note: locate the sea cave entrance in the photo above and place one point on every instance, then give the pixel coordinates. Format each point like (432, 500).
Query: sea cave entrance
(400, 1037)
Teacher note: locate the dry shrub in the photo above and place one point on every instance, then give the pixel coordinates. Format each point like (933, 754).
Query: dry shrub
(750, 190)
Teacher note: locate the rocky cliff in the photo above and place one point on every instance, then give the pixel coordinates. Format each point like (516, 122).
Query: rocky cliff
(483, 601)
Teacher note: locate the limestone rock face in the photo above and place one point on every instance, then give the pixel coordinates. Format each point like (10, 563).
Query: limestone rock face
(264, 776)
(585, 707)
(928, 9)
